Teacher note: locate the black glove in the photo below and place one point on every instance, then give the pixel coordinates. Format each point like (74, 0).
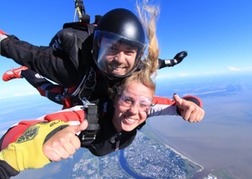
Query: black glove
(171, 62)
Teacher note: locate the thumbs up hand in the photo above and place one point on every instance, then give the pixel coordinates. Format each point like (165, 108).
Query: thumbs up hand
(190, 111)
(64, 143)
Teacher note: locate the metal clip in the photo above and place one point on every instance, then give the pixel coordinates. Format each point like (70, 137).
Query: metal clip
(85, 102)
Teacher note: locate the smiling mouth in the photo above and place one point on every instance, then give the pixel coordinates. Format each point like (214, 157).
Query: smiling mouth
(117, 70)
(129, 120)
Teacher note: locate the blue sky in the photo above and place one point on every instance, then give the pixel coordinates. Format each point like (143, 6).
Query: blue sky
(216, 33)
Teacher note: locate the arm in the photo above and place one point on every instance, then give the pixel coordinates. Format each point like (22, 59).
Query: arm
(189, 107)
(26, 152)
(163, 106)
(50, 62)
(171, 62)
(73, 116)
(31, 149)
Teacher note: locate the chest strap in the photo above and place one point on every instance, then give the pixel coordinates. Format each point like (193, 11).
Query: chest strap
(89, 134)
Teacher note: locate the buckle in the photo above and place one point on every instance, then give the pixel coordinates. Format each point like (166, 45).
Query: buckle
(87, 137)
(86, 103)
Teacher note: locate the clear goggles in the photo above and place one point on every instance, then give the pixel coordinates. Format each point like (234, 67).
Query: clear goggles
(128, 99)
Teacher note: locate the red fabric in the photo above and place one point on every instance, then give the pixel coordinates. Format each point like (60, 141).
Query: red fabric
(64, 115)
(163, 100)
(16, 131)
(2, 32)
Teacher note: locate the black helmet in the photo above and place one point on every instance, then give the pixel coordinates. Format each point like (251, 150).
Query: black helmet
(118, 26)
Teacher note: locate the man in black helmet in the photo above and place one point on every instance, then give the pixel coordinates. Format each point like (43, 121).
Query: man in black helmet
(118, 24)
(119, 36)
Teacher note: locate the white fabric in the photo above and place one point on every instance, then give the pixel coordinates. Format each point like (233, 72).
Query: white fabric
(2, 36)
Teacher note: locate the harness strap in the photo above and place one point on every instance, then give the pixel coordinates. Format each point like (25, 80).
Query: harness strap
(88, 86)
(89, 134)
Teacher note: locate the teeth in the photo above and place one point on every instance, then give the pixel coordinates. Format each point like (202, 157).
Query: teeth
(130, 120)
(117, 68)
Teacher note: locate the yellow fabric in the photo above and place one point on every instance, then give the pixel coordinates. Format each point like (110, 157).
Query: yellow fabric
(27, 151)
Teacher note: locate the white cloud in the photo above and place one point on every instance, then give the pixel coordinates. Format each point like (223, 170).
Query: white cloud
(234, 68)
(184, 74)
(163, 76)
(172, 75)
(13, 94)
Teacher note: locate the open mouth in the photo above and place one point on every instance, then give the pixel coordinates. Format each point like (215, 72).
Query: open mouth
(129, 120)
(117, 69)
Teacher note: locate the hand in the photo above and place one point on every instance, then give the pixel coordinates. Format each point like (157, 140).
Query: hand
(190, 111)
(63, 143)
(180, 56)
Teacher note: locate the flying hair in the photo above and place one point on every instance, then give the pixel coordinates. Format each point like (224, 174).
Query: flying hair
(148, 15)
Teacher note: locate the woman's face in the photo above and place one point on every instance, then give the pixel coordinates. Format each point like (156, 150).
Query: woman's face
(131, 108)
(116, 58)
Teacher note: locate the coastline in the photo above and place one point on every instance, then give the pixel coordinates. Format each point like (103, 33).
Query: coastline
(184, 156)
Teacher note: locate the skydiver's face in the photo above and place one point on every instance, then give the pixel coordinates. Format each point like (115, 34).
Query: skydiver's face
(115, 57)
(132, 107)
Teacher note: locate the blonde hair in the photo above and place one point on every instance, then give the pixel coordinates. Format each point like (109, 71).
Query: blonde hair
(148, 16)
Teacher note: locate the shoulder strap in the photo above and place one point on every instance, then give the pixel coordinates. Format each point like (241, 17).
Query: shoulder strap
(86, 86)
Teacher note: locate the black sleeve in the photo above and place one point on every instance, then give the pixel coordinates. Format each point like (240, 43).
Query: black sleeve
(6, 171)
(161, 63)
(50, 62)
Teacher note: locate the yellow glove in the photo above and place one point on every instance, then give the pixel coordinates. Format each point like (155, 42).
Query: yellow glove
(27, 151)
